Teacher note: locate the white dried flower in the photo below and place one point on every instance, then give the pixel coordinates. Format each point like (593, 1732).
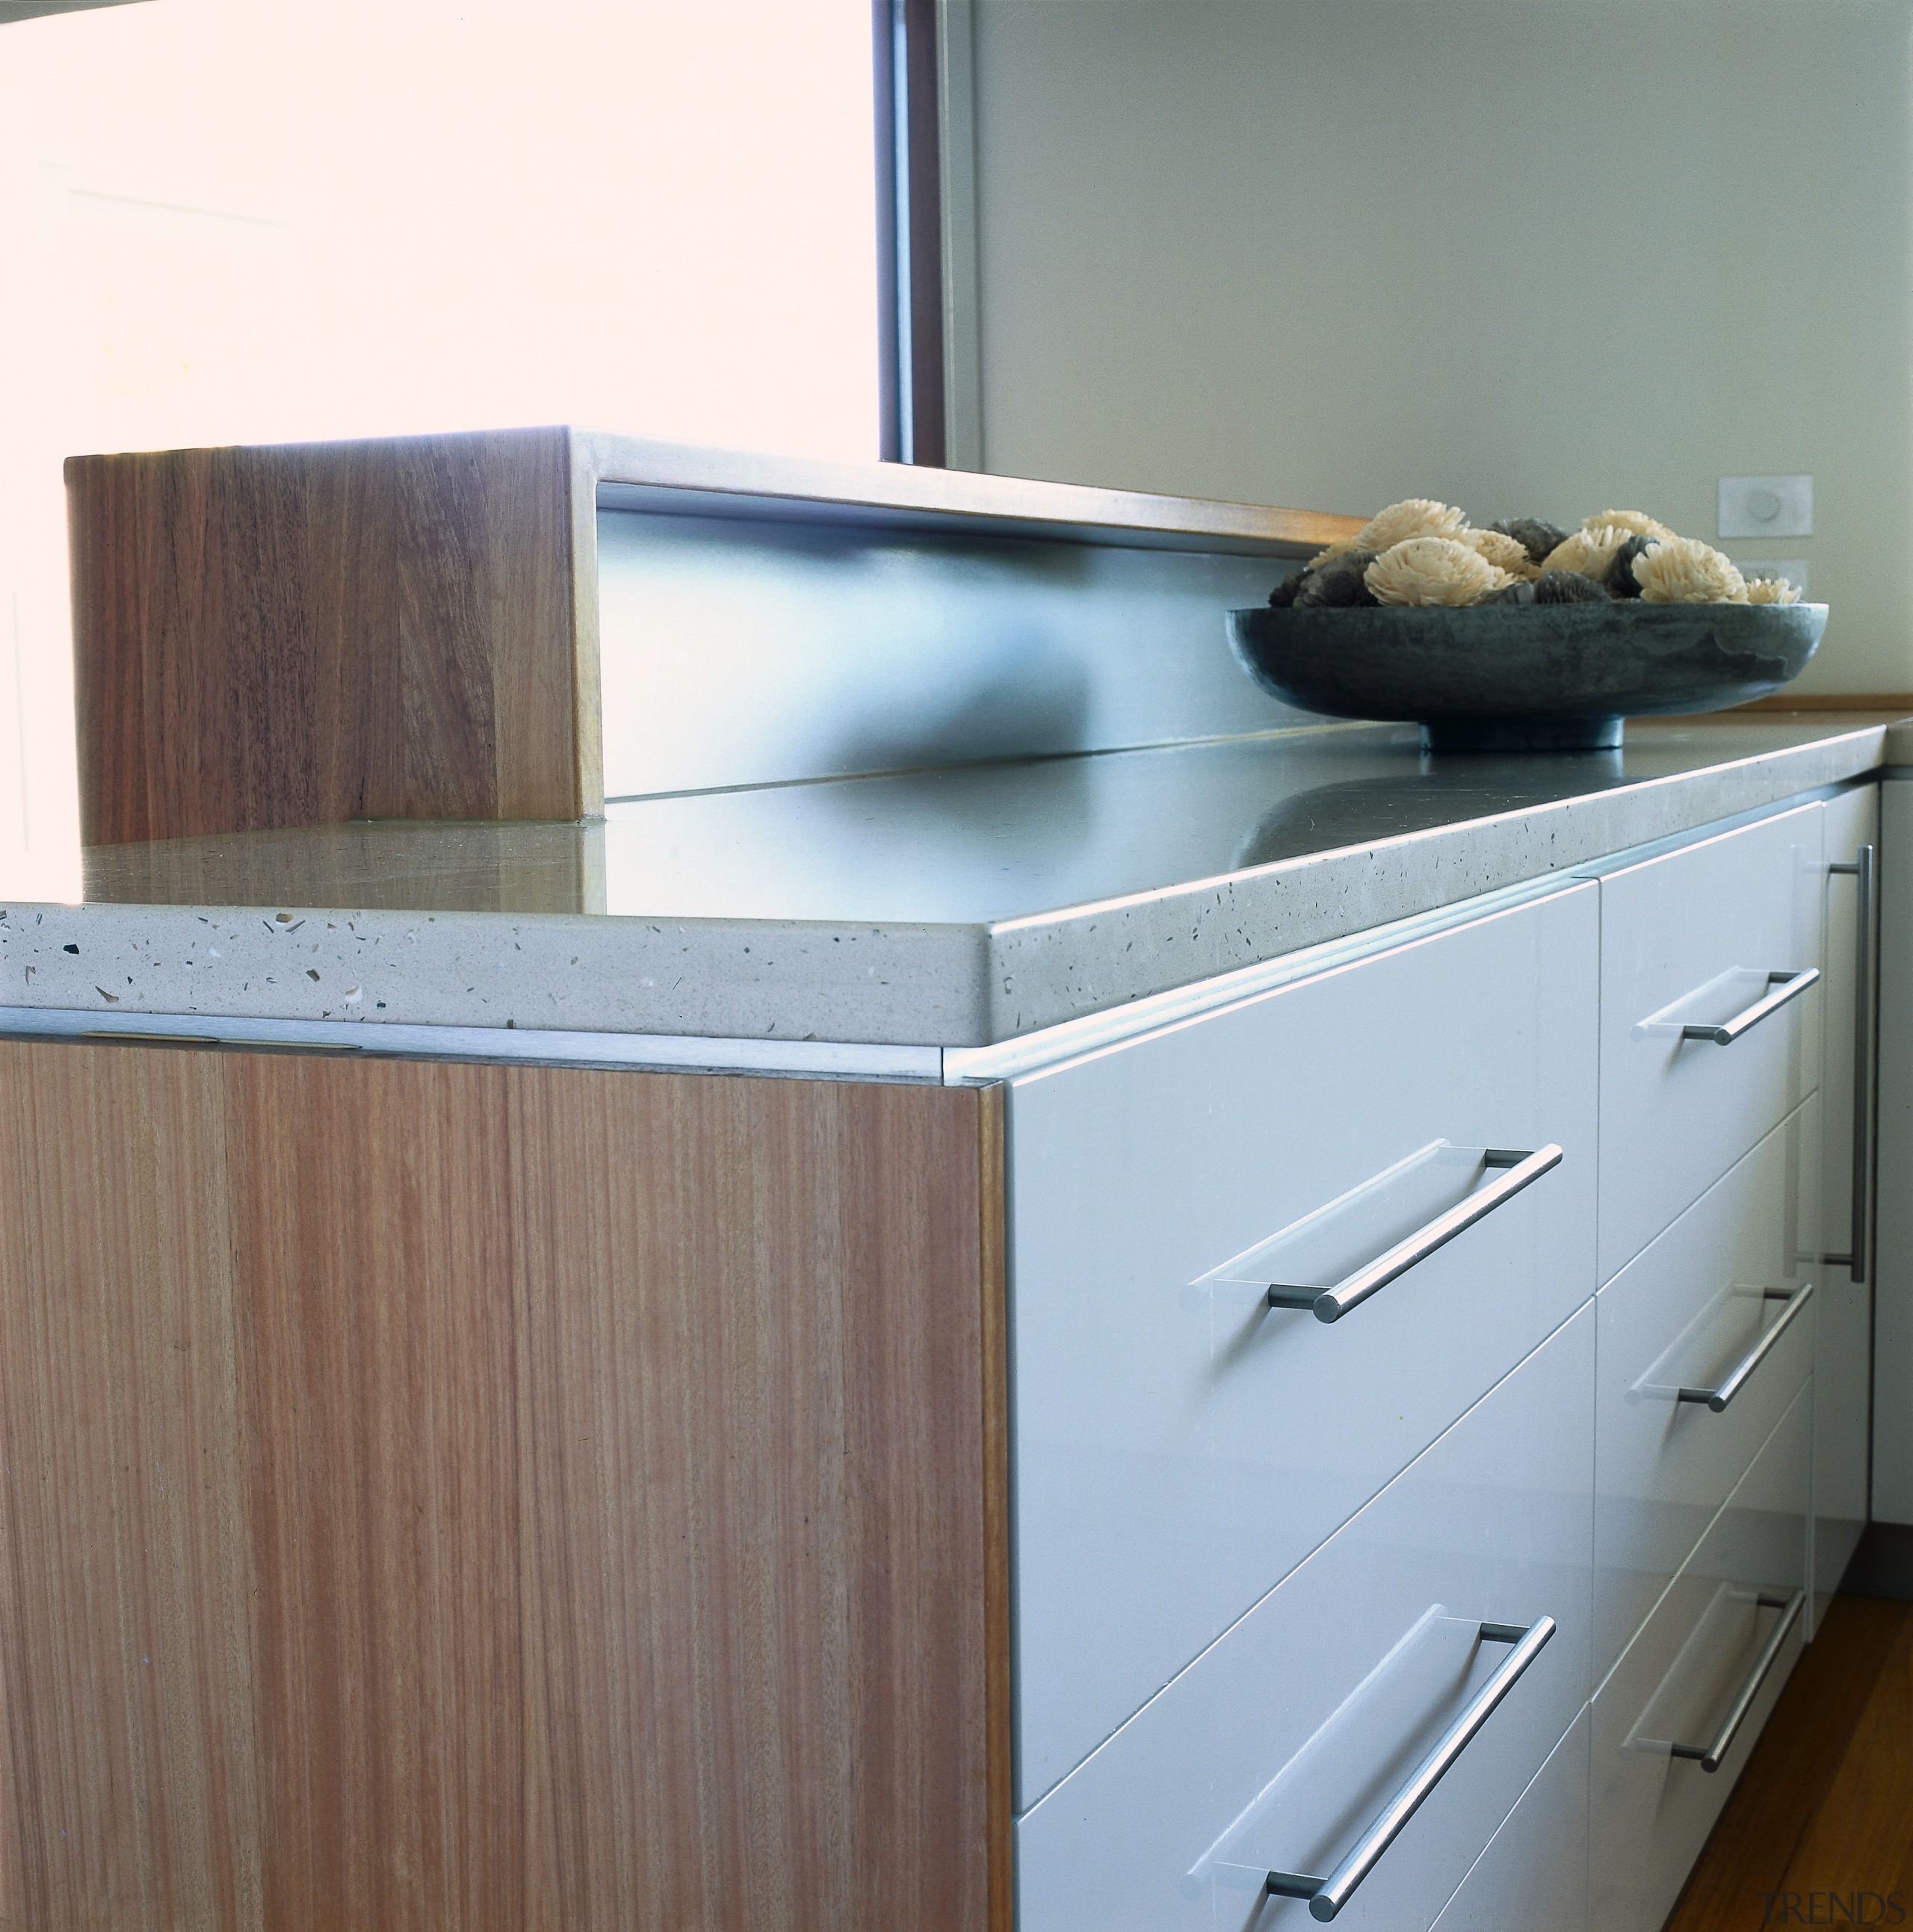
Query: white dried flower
(1504, 552)
(1433, 570)
(1771, 590)
(1589, 551)
(1637, 522)
(1683, 570)
(1417, 517)
(1340, 547)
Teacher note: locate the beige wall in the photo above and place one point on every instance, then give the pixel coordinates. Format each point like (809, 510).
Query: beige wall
(1533, 256)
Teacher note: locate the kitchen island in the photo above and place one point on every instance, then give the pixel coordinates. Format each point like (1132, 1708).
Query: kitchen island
(1221, 1332)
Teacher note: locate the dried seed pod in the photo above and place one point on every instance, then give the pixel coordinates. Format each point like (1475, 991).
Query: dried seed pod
(1535, 535)
(1340, 547)
(1771, 590)
(1618, 580)
(1433, 570)
(1683, 570)
(1521, 591)
(1567, 586)
(1338, 584)
(1284, 594)
(1416, 516)
(1638, 521)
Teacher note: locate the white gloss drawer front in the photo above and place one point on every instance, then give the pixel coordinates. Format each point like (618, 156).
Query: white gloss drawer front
(1533, 1875)
(1257, 1264)
(1705, 1337)
(1675, 1720)
(1709, 1015)
(1351, 1746)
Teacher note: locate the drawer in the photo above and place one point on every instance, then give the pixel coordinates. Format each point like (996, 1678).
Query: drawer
(1650, 1811)
(1689, 939)
(1728, 1286)
(1533, 1875)
(1279, 1745)
(1178, 1445)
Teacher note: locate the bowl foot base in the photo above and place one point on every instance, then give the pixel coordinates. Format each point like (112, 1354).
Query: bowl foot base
(1523, 734)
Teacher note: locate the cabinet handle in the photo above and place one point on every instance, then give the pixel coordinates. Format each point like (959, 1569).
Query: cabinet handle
(1861, 870)
(1710, 1755)
(1330, 1304)
(1789, 986)
(1327, 1896)
(1717, 1399)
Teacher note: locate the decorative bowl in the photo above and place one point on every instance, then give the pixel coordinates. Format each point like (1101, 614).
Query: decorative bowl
(1525, 677)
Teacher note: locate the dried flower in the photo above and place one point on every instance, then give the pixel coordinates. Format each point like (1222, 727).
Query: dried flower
(1504, 552)
(1683, 570)
(1433, 570)
(1588, 550)
(1638, 521)
(1417, 517)
(1771, 590)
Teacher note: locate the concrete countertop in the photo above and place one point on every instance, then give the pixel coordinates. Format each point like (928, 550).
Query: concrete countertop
(951, 908)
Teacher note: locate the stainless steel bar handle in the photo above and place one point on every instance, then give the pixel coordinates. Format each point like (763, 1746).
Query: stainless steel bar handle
(1861, 871)
(1327, 1896)
(1789, 985)
(1717, 1399)
(1330, 1304)
(1710, 1755)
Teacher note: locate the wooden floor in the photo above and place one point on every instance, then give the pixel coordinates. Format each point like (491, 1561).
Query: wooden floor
(1825, 1810)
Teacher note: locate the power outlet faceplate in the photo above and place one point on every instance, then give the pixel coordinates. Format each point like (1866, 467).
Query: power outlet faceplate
(1767, 506)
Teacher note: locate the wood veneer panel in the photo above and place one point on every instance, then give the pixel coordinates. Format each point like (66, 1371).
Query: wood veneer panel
(1900, 703)
(271, 637)
(1799, 1813)
(754, 1374)
(133, 1760)
(596, 1512)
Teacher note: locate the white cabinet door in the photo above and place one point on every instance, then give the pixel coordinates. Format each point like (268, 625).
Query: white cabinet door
(1178, 1444)
(1533, 1875)
(1725, 1299)
(1693, 939)
(1277, 1747)
(1893, 1252)
(1842, 1373)
(1682, 1678)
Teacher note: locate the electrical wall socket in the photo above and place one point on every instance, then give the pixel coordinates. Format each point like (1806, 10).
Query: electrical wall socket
(1767, 506)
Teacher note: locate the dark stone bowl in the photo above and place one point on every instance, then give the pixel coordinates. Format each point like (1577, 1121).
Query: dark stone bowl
(1525, 677)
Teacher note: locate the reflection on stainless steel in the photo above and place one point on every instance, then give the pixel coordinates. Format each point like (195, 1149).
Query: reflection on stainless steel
(749, 651)
(976, 845)
(1358, 811)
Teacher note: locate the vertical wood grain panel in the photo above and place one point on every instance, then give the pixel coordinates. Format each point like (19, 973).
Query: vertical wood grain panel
(126, 1663)
(599, 1515)
(272, 638)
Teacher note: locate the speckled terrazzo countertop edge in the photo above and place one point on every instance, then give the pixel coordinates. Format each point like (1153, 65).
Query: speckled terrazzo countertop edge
(924, 985)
